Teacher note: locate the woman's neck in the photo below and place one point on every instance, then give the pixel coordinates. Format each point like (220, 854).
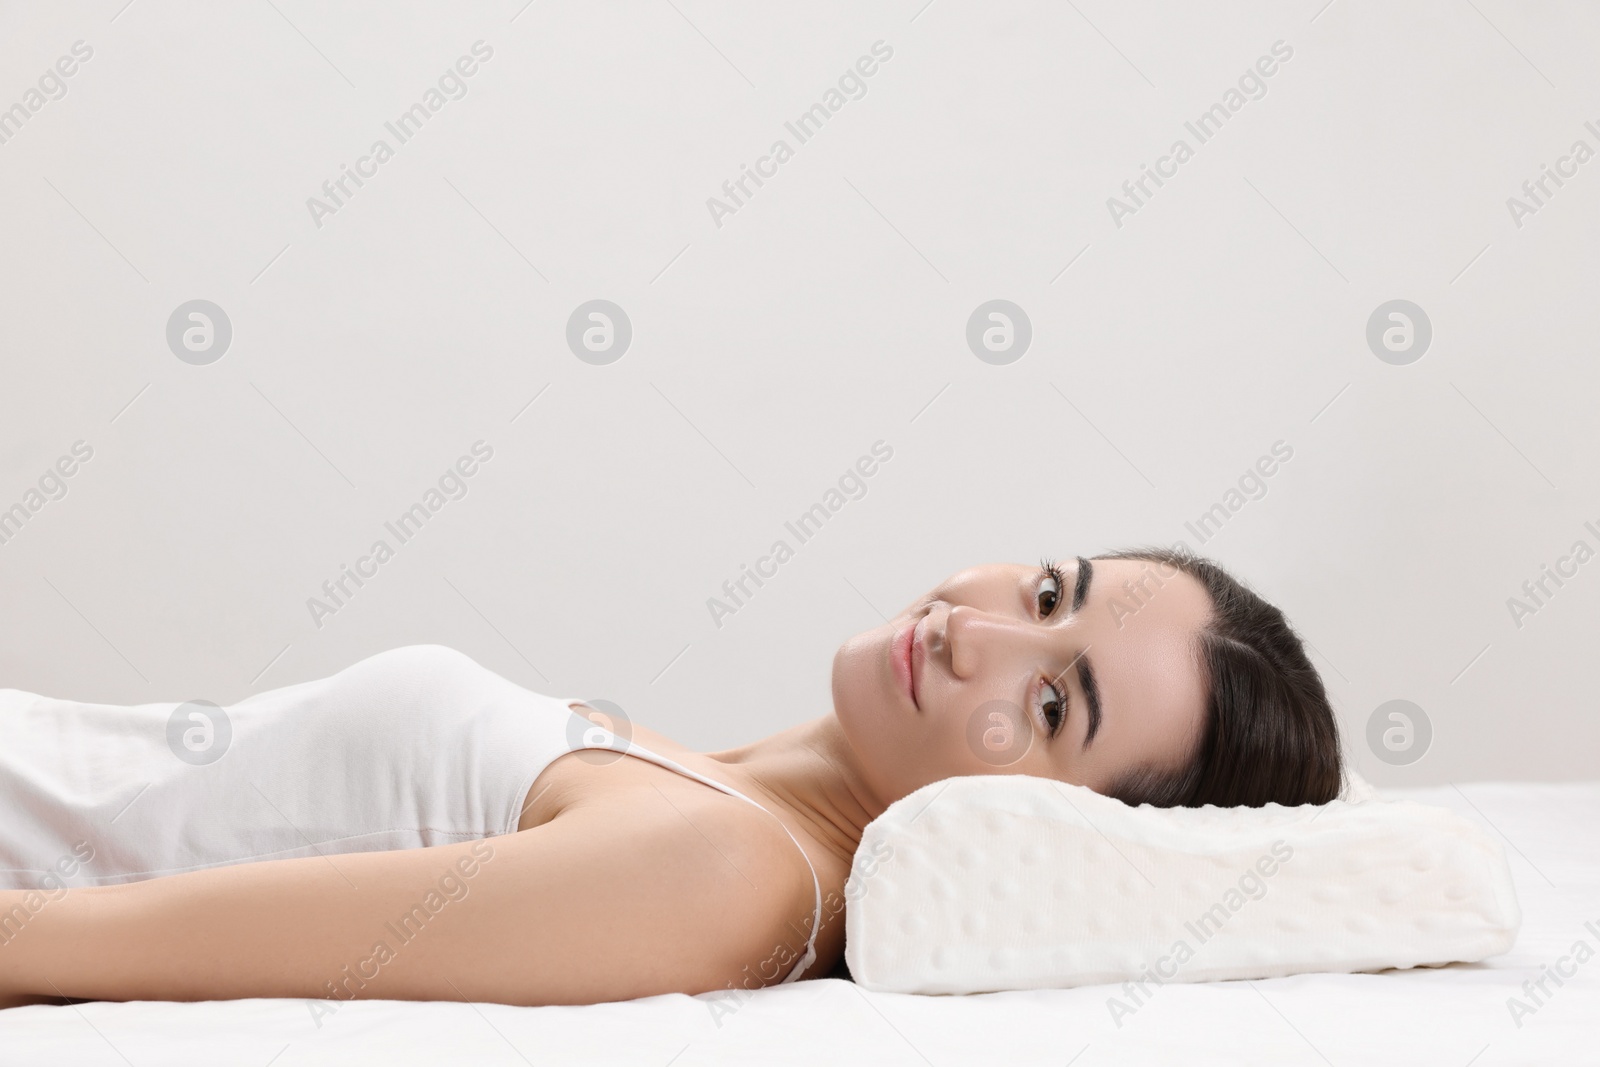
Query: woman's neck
(809, 770)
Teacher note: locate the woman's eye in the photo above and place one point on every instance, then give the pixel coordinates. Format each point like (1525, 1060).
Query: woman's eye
(1049, 595)
(1053, 707)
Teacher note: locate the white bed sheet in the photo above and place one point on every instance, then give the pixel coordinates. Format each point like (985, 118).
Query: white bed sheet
(1452, 1015)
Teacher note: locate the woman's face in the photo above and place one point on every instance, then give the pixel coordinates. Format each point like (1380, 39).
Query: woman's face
(1005, 669)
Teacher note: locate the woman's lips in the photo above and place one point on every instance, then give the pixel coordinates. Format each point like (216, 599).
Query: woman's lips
(905, 651)
(916, 658)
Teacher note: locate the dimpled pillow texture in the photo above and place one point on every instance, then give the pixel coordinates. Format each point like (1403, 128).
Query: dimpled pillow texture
(993, 882)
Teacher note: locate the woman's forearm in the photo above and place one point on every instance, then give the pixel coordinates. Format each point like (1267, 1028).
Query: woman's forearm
(380, 924)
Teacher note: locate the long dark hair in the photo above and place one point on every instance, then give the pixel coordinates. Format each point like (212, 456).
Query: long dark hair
(1269, 734)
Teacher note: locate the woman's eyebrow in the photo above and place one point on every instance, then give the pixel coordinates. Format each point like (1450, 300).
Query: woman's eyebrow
(1086, 678)
(1080, 589)
(1091, 693)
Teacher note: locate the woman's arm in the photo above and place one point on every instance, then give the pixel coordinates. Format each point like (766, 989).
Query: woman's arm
(598, 904)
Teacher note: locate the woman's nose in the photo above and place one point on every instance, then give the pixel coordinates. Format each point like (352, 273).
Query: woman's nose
(972, 636)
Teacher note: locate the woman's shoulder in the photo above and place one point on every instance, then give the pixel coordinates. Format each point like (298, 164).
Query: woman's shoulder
(717, 865)
(612, 789)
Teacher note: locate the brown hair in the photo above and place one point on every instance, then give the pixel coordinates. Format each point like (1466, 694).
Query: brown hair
(1269, 734)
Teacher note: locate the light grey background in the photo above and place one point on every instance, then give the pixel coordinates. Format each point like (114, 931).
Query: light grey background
(769, 353)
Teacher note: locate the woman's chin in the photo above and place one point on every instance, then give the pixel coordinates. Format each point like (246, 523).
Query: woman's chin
(861, 673)
(860, 699)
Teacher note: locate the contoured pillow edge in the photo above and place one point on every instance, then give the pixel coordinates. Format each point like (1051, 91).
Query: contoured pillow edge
(992, 882)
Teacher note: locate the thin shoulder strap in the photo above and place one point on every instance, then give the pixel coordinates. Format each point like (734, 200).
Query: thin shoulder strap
(632, 748)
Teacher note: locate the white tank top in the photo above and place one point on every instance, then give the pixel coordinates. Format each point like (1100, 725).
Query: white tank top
(409, 748)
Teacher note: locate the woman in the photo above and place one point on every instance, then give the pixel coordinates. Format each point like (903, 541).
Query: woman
(423, 829)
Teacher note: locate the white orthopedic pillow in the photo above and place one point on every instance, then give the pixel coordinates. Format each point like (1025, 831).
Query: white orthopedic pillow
(992, 882)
